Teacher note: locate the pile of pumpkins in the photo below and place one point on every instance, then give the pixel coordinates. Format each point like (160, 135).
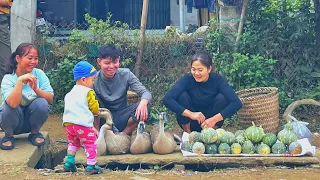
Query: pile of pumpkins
(249, 141)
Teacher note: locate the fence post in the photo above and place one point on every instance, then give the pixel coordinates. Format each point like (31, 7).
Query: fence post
(22, 22)
(182, 15)
(142, 37)
(243, 13)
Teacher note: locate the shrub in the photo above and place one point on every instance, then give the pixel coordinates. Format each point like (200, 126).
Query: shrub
(61, 80)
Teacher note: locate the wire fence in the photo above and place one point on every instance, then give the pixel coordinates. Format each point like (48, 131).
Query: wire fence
(166, 54)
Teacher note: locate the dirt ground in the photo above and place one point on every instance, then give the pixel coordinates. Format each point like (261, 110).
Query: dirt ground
(57, 132)
(280, 173)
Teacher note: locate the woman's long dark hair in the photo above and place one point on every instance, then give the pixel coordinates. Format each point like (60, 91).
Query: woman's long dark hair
(204, 58)
(22, 50)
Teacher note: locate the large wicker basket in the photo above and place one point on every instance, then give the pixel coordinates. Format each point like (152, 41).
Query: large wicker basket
(261, 106)
(132, 97)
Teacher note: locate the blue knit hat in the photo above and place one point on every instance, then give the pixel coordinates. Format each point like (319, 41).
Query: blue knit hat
(83, 69)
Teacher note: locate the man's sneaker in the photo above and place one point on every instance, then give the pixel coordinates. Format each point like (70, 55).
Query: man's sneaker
(69, 167)
(94, 169)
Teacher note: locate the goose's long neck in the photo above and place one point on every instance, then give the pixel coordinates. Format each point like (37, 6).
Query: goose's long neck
(102, 131)
(161, 126)
(105, 113)
(138, 131)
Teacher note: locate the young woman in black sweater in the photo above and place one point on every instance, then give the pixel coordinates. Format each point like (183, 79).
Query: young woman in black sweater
(202, 98)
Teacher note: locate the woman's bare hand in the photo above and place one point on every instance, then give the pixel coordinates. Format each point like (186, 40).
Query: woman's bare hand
(197, 116)
(28, 78)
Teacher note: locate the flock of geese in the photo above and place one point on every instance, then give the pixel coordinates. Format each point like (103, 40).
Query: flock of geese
(159, 141)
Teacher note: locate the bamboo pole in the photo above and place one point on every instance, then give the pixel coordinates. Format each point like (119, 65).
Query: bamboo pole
(142, 37)
(243, 14)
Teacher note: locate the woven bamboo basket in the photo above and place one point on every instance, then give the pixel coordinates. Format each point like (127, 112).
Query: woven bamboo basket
(132, 97)
(261, 106)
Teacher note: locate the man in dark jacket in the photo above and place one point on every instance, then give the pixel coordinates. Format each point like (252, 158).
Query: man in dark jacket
(5, 49)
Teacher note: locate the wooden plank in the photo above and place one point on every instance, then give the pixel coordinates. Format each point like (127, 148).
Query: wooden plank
(177, 158)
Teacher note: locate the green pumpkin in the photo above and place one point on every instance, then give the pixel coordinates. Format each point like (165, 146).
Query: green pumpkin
(239, 132)
(198, 137)
(279, 148)
(255, 147)
(211, 148)
(218, 142)
(254, 133)
(186, 146)
(198, 148)
(220, 132)
(194, 136)
(289, 125)
(209, 135)
(191, 136)
(287, 136)
(235, 148)
(263, 149)
(228, 137)
(240, 139)
(269, 139)
(224, 148)
(295, 148)
(247, 147)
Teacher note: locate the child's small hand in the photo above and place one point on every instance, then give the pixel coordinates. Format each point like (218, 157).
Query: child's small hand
(96, 131)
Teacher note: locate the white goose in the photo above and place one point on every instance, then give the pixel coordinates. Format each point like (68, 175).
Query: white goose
(140, 140)
(101, 142)
(108, 141)
(162, 142)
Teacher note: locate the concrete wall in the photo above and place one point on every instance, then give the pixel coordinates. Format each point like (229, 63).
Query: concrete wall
(23, 21)
(190, 18)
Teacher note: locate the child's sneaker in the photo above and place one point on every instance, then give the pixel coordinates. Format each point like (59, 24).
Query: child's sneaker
(95, 169)
(69, 167)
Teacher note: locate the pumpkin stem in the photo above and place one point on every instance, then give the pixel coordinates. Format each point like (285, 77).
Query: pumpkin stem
(253, 123)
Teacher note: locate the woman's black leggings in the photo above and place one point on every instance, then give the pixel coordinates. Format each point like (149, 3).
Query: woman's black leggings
(217, 105)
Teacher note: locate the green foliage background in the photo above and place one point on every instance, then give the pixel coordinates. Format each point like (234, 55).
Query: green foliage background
(277, 48)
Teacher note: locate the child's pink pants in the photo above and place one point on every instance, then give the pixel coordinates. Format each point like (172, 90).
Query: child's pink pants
(79, 135)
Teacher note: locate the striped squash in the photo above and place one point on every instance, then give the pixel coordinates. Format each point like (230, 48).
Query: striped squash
(254, 133)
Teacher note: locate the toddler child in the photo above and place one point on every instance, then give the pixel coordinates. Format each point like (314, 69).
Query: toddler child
(80, 118)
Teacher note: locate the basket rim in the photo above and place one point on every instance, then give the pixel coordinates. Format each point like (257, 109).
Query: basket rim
(248, 92)
(132, 94)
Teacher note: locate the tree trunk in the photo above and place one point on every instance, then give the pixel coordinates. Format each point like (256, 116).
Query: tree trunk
(317, 10)
(142, 37)
(243, 14)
